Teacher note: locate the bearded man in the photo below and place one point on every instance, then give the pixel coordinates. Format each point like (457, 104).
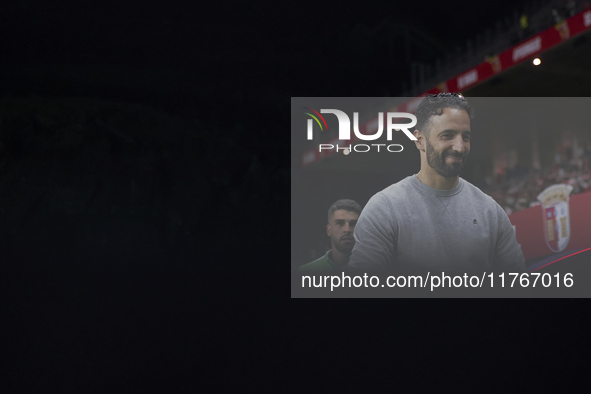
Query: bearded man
(342, 218)
(435, 221)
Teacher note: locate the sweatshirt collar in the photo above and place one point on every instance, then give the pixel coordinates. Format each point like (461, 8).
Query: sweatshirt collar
(437, 192)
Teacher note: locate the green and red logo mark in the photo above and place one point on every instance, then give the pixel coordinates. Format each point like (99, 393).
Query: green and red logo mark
(316, 119)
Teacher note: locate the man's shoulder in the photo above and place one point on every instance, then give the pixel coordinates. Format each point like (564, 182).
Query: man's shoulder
(487, 203)
(398, 189)
(381, 204)
(321, 264)
(475, 192)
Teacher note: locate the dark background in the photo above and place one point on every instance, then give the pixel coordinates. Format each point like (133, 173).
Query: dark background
(130, 183)
(142, 149)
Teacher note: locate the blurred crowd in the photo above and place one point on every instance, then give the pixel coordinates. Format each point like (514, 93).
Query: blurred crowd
(518, 189)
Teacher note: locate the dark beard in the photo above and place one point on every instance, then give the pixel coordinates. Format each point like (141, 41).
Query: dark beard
(437, 162)
(342, 248)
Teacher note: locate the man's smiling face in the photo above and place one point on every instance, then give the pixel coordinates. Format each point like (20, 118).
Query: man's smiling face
(448, 141)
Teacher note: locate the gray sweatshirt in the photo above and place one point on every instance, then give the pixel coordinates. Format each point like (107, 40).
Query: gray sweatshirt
(412, 226)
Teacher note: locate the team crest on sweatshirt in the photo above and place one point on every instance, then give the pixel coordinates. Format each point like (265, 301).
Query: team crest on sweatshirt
(554, 201)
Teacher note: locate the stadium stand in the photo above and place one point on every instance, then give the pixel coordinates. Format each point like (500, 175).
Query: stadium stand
(559, 34)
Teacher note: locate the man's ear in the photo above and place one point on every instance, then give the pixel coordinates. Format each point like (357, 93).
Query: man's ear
(328, 230)
(420, 142)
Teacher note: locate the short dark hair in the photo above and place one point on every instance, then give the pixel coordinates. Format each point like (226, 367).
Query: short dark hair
(348, 205)
(434, 104)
